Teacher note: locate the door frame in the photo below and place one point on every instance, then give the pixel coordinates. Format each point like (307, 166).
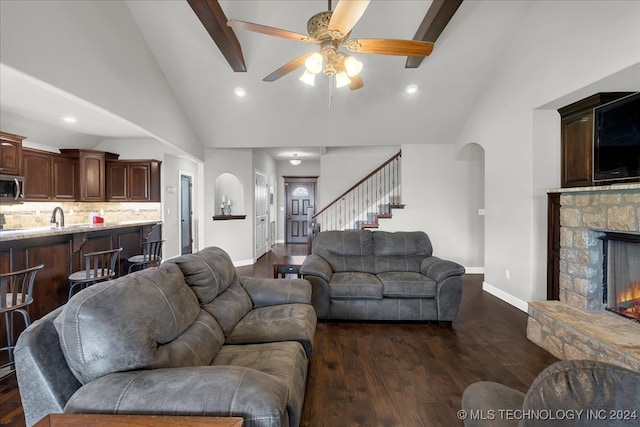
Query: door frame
(265, 178)
(291, 179)
(191, 176)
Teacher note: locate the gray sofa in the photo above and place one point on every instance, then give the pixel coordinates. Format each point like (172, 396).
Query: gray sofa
(568, 393)
(378, 275)
(188, 338)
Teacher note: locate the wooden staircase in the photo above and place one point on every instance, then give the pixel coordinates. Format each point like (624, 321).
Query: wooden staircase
(363, 205)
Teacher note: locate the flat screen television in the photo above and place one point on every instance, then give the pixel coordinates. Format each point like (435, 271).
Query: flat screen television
(616, 140)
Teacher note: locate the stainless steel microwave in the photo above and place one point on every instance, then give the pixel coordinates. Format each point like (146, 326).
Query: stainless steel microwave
(11, 189)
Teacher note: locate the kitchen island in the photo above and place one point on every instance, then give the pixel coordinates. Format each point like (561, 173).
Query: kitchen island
(61, 250)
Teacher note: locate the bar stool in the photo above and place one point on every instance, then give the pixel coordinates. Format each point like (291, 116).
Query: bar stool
(99, 266)
(151, 255)
(16, 292)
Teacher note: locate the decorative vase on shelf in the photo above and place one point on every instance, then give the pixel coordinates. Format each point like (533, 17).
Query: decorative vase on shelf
(229, 209)
(222, 208)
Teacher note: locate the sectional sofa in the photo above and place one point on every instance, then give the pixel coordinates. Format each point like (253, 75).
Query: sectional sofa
(188, 338)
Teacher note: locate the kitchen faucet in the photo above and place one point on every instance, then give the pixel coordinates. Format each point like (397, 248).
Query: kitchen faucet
(53, 217)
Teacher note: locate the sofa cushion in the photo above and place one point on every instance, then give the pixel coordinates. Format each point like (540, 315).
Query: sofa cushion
(229, 307)
(285, 361)
(400, 251)
(285, 322)
(144, 320)
(346, 250)
(355, 286)
(209, 272)
(398, 284)
(212, 277)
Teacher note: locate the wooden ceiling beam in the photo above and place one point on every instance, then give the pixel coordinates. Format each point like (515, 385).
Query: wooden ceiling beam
(215, 22)
(438, 16)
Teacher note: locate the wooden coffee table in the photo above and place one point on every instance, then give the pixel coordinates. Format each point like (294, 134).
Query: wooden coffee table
(288, 265)
(107, 420)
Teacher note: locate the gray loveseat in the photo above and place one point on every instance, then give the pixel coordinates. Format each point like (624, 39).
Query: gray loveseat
(188, 338)
(569, 393)
(378, 275)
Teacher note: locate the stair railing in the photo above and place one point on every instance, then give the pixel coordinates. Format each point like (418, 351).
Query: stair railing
(377, 193)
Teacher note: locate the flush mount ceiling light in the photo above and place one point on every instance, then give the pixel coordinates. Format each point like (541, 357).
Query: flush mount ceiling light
(295, 162)
(412, 89)
(240, 92)
(330, 30)
(69, 119)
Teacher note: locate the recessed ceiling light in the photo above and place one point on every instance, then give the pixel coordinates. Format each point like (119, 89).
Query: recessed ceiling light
(240, 92)
(412, 89)
(69, 119)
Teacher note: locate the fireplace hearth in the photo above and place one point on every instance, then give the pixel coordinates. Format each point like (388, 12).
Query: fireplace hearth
(621, 278)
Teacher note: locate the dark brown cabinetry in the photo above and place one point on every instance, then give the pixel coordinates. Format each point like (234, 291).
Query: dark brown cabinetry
(553, 246)
(10, 153)
(133, 180)
(577, 139)
(48, 176)
(90, 173)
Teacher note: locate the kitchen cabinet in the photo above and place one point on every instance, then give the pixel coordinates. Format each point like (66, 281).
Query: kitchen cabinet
(10, 153)
(36, 167)
(576, 133)
(89, 173)
(48, 176)
(133, 180)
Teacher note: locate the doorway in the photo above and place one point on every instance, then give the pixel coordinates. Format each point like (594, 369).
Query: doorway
(261, 214)
(300, 205)
(186, 213)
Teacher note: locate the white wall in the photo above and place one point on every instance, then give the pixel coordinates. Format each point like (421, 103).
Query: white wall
(342, 167)
(93, 50)
(560, 48)
(442, 197)
(234, 236)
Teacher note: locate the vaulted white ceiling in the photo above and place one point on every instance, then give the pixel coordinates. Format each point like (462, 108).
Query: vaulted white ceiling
(287, 113)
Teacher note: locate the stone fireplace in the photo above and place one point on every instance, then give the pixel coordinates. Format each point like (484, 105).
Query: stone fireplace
(581, 325)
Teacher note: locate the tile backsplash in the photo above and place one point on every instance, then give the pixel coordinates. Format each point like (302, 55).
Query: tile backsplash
(38, 214)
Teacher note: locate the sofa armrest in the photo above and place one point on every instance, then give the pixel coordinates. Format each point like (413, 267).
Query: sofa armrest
(315, 265)
(439, 269)
(266, 292)
(203, 390)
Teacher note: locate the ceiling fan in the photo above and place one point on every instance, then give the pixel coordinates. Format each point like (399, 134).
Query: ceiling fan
(331, 31)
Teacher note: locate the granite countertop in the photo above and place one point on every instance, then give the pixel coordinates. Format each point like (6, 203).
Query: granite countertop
(30, 233)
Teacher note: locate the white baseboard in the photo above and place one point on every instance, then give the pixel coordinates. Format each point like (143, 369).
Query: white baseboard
(474, 270)
(243, 262)
(508, 298)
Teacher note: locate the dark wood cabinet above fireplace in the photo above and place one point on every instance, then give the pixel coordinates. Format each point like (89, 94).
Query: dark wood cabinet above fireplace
(577, 139)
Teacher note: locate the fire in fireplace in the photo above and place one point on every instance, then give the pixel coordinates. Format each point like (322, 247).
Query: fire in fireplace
(622, 274)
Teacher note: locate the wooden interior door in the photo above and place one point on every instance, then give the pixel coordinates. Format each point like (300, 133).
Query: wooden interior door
(300, 198)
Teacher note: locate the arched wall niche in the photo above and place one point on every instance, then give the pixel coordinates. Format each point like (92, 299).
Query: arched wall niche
(228, 190)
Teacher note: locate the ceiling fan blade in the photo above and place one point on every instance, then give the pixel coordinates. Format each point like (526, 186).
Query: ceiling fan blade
(390, 47)
(356, 83)
(287, 68)
(347, 14)
(270, 31)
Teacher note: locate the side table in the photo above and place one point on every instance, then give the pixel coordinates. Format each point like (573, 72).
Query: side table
(288, 265)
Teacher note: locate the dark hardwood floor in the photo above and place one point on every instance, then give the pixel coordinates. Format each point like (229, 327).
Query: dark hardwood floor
(395, 374)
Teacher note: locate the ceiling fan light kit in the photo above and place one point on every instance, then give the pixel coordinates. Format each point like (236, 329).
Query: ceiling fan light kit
(331, 30)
